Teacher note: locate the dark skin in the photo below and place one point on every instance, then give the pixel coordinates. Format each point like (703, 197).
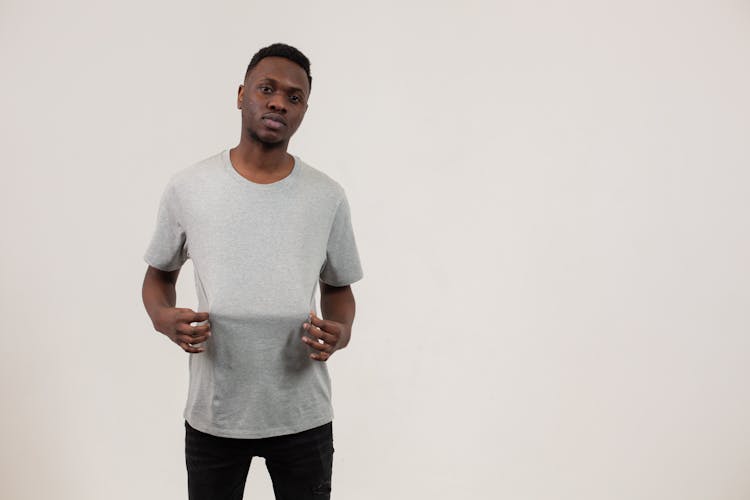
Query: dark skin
(273, 100)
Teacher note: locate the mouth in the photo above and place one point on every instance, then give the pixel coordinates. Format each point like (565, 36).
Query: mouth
(274, 121)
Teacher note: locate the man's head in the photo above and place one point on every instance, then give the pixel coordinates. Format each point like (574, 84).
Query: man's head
(282, 50)
(274, 96)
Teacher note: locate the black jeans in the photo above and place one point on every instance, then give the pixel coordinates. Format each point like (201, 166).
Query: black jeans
(299, 464)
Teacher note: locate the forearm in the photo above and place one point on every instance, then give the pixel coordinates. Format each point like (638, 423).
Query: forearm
(337, 304)
(159, 292)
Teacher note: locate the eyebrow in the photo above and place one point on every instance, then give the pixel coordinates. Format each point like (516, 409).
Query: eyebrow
(266, 79)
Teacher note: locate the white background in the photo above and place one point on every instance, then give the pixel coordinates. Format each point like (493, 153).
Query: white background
(550, 201)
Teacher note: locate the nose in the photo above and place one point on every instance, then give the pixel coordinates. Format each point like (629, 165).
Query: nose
(276, 102)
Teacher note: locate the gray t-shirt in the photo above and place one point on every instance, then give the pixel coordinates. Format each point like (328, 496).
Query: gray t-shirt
(258, 251)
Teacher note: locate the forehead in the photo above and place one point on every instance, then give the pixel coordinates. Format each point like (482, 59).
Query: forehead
(282, 70)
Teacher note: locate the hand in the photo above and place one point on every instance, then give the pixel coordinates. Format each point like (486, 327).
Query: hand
(177, 324)
(326, 336)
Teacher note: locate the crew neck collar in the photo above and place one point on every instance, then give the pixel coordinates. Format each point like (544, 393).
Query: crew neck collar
(248, 184)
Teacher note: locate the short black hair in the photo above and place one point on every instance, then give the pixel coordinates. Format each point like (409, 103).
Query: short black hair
(282, 50)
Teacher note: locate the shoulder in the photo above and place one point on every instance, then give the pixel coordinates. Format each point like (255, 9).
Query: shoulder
(315, 179)
(197, 173)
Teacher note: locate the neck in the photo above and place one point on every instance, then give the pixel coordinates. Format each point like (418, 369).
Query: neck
(255, 156)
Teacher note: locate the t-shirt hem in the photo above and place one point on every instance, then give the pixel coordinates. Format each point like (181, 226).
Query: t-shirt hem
(152, 262)
(276, 431)
(342, 282)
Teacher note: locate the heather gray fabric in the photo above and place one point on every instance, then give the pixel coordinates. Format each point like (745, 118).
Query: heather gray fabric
(258, 251)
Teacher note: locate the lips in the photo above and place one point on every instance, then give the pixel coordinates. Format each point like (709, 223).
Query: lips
(276, 120)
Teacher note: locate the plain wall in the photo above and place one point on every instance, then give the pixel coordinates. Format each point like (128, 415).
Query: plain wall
(551, 204)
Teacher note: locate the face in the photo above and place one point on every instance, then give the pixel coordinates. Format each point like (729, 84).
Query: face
(273, 100)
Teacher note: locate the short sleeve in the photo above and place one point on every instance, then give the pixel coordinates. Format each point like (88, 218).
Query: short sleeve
(168, 248)
(342, 266)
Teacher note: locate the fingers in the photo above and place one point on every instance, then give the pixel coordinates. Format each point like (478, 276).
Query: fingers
(318, 333)
(323, 324)
(189, 316)
(315, 319)
(190, 343)
(323, 356)
(188, 348)
(324, 341)
(200, 316)
(316, 344)
(194, 334)
(192, 328)
(192, 339)
(188, 336)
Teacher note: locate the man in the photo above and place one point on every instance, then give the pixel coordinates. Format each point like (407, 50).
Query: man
(262, 228)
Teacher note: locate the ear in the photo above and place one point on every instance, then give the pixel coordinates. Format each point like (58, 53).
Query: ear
(240, 92)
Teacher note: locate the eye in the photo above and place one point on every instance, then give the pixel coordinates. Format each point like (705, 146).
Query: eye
(296, 99)
(263, 88)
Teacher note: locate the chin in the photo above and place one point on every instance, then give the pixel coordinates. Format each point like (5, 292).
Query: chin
(270, 141)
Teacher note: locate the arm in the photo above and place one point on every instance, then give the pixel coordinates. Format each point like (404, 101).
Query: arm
(337, 304)
(159, 291)
(338, 307)
(159, 298)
